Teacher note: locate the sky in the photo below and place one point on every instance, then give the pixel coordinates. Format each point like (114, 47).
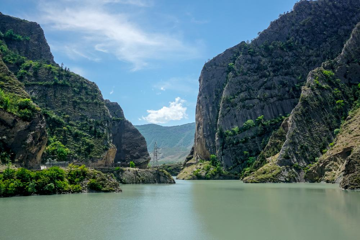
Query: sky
(146, 55)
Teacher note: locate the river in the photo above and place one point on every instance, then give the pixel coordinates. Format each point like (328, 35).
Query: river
(187, 210)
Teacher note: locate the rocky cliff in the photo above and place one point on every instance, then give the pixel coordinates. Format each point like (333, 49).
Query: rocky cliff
(22, 127)
(249, 90)
(321, 142)
(79, 124)
(130, 144)
(33, 46)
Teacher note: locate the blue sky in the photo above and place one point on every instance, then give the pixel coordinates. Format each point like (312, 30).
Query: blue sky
(146, 55)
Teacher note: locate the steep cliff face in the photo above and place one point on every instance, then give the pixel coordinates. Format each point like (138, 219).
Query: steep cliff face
(312, 150)
(33, 46)
(78, 122)
(130, 144)
(247, 91)
(22, 128)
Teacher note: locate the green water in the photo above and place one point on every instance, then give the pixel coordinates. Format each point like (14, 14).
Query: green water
(188, 210)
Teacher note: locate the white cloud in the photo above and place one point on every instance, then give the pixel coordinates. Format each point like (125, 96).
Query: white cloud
(175, 111)
(97, 30)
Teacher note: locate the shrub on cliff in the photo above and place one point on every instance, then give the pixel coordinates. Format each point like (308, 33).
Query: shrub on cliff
(132, 164)
(22, 107)
(10, 35)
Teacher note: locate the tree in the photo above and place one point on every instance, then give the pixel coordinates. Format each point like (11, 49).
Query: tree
(249, 124)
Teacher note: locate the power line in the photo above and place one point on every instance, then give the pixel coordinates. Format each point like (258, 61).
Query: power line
(155, 154)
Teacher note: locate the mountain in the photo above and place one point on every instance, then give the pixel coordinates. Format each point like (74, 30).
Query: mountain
(174, 142)
(48, 112)
(322, 142)
(250, 96)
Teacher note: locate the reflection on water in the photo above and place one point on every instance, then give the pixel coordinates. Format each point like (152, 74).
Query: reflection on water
(277, 211)
(188, 210)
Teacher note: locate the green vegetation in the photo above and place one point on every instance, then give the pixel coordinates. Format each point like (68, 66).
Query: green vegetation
(58, 150)
(209, 169)
(10, 35)
(249, 124)
(22, 107)
(132, 164)
(268, 173)
(54, 180)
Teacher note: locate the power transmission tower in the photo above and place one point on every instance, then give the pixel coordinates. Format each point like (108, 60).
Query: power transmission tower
(155, 153)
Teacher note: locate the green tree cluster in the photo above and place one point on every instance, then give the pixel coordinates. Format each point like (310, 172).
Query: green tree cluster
(54, 180)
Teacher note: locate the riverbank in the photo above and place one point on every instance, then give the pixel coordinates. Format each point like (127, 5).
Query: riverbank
(55, 180)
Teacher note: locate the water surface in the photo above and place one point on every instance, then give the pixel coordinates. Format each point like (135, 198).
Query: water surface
(187, 210)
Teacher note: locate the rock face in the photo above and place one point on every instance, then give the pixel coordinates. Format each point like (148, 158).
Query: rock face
(26, 140)
(130, 144)
(22, 140)
(141, 176)
(78, 120)
(247, 91)
(318, 146)
(35, 48)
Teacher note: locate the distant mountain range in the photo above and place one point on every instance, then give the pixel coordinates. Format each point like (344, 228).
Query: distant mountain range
(174, 142)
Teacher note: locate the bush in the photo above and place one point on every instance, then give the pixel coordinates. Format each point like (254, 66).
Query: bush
(77, 174)
(260, 119)
(76, 188)
(336, 131)
(59, 150)
(328, 74)
(24, 108)
(2, 188)
(24, 175)
(94, 185)
(26, 114)
(49, 181)
(249, 124)
(10, 35)
(132, 164)
(9, 173)
(214, 161)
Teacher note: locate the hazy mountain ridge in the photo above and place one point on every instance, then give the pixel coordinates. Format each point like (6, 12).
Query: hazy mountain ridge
(174, 142)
